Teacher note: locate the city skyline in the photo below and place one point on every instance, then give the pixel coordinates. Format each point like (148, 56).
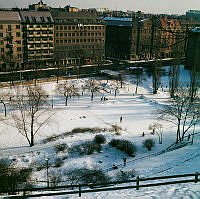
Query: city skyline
(147, 6)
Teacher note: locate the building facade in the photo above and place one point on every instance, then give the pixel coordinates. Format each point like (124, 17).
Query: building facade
(193, 49)
(11, 40)
(130, 38)
(79, 38)
(38, 38)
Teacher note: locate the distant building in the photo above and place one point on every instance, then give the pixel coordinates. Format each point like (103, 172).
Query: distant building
(194, 14)
(130, 38)
(11, 40)
(79, 38)
(172, 39)
(39, 6)
(38, 31)
(193, 49)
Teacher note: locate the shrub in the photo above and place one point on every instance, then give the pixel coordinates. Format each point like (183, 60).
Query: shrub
(58, 162)
(125, 175)
(99, 139)
(124, 145)
(149, 143)
(51, 138)
(60, 147)
(86, 148)
(84, 175)
(55, 177)
(13, 178)
(117, 129)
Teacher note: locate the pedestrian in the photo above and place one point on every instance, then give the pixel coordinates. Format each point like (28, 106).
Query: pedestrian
(188, 137)
(120, 119)
(124, 159)
(143, 134)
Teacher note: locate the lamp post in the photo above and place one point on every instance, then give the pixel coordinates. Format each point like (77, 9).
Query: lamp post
(47, 165)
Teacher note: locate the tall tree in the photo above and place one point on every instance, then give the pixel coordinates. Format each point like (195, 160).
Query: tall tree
(68, 90)
(93, 86)
(173, 80)
(29, 111)
(182, 112)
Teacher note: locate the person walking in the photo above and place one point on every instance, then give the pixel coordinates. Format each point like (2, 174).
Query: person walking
(120, 119)
(124, 159)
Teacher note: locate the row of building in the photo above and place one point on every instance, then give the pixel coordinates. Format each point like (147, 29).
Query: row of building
(42, 38)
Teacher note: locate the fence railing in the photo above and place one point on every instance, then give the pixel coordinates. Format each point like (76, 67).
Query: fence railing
(110, 186)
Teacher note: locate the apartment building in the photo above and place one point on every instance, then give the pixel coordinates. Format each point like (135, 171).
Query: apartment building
(79, 38)
(129, 38)
(38, 36)
(11, 40)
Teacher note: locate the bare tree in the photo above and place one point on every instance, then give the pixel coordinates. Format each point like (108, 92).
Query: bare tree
(194, 83)
(68, 90)
(139, 78)
(4, 97)
(173, 80)
(156, 75)
(157, 128)
(29, 111)
(182, 112)
(93, 86)
(116, 85)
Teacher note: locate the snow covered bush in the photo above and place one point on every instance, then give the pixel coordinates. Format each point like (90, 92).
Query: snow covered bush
(58, 162)
(124, 145)
(149, 143)
(84, 175)
(99, 139)
(117, 129)
(86, 148)
(125, 175)
(61, 147)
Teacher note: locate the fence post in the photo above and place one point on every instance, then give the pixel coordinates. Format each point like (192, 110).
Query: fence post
(137, 183)
(79, 188)
(196, 177)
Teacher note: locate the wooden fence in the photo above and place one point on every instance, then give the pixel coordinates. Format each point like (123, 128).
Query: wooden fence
(111, 186)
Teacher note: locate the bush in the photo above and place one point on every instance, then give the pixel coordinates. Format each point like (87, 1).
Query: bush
(83, 175)
(149, 143)
(13, 178)
(125, 175)
(55, 177)
(58, 162)
(51, 138)
(124, 145)
(117, 129)
(99, 139)
(86, 148)
(60, 147)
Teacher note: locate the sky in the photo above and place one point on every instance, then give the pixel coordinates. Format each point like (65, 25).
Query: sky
(148, 6)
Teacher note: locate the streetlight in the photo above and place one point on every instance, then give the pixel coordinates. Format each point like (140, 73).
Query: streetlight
(47, 165)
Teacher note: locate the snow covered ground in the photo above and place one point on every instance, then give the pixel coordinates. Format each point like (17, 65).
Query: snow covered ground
(136, 112)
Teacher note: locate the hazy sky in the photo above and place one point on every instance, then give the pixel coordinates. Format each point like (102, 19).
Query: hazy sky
(148, 6)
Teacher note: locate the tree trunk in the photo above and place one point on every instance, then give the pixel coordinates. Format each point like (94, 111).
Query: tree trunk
(66, 100)
(92, 96)
(32, 134)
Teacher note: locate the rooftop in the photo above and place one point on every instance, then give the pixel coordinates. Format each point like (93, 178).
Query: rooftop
(9, 16)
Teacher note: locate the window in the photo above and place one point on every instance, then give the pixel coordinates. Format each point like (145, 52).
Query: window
(18, 34)
(1, 34)
(19, 49)
(61, 27)
(42, 19)
(65, 34)
(56, 34)
(56, 27)
(61, 34)
(33, 19)
(49, 19)
(57, 41)
(61, 41)
(2, 50)
(9, 28)
(1, 26)
(18, 42)
(69, 27)
(69, 34)
(77, 40)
